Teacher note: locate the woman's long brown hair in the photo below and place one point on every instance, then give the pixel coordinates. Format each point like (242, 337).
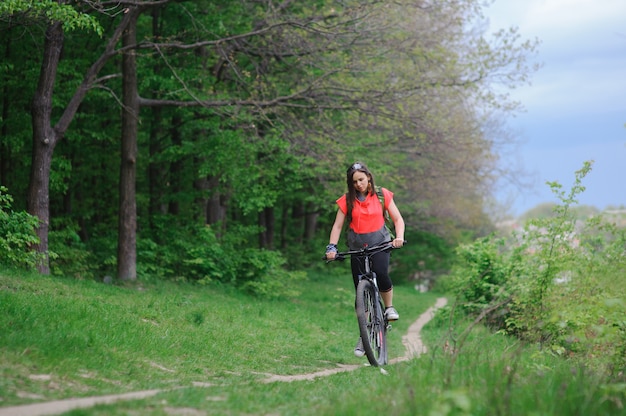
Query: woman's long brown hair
(351, 194)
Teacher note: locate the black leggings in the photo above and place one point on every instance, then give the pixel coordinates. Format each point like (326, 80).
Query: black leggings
(380, 265)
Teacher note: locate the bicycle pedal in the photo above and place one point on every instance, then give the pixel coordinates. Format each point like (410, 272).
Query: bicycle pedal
(389, 327)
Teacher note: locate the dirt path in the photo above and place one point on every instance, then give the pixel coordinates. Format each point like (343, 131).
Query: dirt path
(412, 342)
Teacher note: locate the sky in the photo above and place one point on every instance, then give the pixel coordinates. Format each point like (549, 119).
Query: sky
(575, 107)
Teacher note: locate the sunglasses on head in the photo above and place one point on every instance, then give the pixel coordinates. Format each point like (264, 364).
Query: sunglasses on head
(354, 167)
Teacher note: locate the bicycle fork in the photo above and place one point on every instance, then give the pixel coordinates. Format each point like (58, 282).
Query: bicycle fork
(377, 299)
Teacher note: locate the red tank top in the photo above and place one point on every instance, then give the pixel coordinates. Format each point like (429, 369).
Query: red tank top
(367, 216)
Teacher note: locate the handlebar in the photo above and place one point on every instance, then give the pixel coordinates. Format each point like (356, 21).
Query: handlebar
(342, 255)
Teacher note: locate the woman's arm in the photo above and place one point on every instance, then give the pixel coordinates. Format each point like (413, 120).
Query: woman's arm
(335, 233)
(398, 224)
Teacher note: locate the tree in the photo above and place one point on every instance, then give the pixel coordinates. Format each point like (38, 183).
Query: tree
(127, 228)
(252, 107)
(46, 135)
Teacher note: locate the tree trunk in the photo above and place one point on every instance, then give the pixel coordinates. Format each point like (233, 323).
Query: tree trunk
(270, 226)
(310, 223)
(297, 213)
(176, 169)
(215, 210)
(267, 222)
(45, 139)
(156, 170)
(263, 227)
(127, 223)
(200, 186)
(284, 222)
(5, 155)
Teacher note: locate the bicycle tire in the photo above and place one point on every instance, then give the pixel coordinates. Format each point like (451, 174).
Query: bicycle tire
(372, 324)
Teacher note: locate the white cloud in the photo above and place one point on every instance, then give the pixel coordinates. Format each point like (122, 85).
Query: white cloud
(583, 87)
(583, 52)
(558, 16)
(575, 106)
(568, 24)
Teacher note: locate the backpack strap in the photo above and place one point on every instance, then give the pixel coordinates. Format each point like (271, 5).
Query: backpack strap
(381, 198)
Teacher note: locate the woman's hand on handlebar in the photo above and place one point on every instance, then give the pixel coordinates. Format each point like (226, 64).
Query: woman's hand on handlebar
(331, 251)
(397, 242)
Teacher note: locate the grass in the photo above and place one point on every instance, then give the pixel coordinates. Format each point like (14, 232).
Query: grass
(210, 349)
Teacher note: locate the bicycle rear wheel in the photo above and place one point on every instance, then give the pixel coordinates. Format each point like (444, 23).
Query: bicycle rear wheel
(372, 326)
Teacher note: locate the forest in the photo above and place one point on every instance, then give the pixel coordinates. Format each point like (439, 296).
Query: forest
(157, 142)
(200, 139)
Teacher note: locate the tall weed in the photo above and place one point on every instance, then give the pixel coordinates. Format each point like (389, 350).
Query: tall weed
(557, 284)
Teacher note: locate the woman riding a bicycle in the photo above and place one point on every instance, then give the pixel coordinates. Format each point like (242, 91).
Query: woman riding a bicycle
(366, 228)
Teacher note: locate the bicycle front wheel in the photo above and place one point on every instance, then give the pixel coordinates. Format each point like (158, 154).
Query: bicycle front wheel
(372, 326)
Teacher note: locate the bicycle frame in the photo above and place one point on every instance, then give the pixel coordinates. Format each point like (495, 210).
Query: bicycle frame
(366, 253)
(373, 325)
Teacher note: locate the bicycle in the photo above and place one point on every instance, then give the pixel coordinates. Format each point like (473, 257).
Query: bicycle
(373, 324)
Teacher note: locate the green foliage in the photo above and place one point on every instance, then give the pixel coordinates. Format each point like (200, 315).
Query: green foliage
(72, 257)
(197, 254)
(51, 11)
(552, 242)
(557, 284)
(423, 259)
(261, 272)
(17, 234)
(282, 113)
(480, 277)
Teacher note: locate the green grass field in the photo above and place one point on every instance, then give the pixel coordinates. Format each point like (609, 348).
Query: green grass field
(211, 349)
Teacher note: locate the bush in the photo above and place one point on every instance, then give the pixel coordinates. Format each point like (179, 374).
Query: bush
(17, 234)
(481, 277)
(425, 257)
(563, 279)
(197, 254)
(71, 256)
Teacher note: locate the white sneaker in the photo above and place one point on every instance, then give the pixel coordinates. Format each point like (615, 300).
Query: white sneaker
(358, 350)
(391, 314)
